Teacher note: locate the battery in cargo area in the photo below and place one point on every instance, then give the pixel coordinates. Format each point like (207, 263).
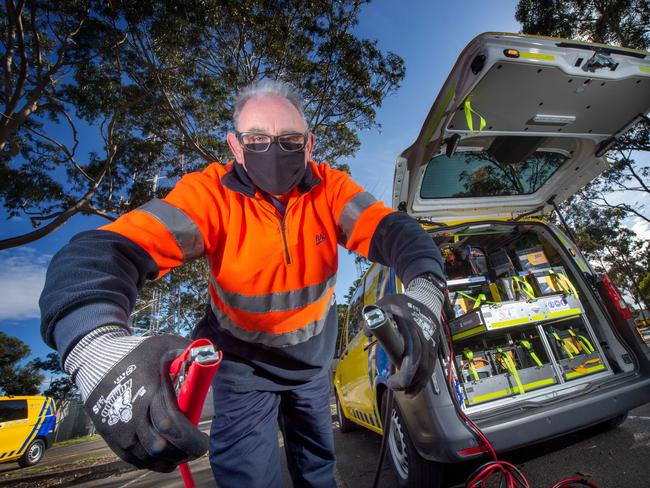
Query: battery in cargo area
(516, 322)
(504, 366)
(490, 317)
(573, 349)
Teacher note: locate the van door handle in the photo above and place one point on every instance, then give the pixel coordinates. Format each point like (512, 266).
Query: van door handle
(369, 344)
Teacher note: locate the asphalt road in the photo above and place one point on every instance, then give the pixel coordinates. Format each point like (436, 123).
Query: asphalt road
(617, 458)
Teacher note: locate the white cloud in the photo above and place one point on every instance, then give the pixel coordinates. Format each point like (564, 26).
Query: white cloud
(22, 276)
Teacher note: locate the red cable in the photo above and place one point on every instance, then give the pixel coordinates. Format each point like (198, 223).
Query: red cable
(461, 413)
(575, 479)
(193, 390)
(186, 474)
(505, 468)
(496, 465)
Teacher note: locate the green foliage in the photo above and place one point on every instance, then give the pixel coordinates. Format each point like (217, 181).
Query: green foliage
(644, 287)
(152, 83)
(619, 22)
(175, 303)
(15, 379)
(342, 309)
(61, 388)
(610, 246)
(348, 296)
(626, 174)
(342, 312)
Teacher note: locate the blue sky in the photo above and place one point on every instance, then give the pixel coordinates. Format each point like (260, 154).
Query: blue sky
(429, 36)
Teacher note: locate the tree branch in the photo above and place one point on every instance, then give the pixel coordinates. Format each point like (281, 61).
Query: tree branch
(624, 207)
(12, 121)
(24, 64)
(101, 213)
(8, 57)
(79, 205)
(68, 152)
(35, 40)
(172, 111)
(637, 176)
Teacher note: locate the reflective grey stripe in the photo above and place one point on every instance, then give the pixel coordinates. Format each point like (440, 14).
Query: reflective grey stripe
(274, 302)
(351, 212)
(268, 339)
(181, 227)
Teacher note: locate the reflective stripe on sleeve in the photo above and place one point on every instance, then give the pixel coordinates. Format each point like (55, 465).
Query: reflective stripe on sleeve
(266, 338)
(275, 302)
(351, 212)
(180, 226)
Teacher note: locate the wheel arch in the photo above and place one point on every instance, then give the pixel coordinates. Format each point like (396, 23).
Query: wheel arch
(45, 440)
(339, 398)
(380, 391)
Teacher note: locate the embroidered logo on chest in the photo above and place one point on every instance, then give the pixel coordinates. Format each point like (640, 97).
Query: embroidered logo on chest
(320, 238)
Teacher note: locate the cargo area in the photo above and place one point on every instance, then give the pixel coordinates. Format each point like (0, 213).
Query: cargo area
(523, 322)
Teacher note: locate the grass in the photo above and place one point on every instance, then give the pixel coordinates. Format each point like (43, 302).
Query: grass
(76, 440)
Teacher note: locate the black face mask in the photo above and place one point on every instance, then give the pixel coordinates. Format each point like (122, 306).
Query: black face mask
(275, 171)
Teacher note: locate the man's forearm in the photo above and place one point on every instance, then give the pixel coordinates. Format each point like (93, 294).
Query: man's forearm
(91, 282)
(400, 242)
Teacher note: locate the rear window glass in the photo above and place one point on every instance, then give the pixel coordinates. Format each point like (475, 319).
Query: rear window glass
(479, 174)
(13, 410)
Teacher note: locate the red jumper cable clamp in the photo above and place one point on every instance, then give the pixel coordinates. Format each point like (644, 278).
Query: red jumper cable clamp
(192, 373)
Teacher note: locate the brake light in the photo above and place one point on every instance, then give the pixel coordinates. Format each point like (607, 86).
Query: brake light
(619, 304)
(472, 451)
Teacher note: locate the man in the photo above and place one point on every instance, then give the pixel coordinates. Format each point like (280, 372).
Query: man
(269, 224)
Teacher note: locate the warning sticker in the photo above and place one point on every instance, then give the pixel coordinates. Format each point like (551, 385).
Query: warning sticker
(557, 304)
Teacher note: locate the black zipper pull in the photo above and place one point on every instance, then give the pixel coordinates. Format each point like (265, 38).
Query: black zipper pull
(284, 240)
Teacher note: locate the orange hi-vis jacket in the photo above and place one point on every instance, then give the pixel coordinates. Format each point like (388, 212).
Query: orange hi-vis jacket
(272, 276)
(272, 272)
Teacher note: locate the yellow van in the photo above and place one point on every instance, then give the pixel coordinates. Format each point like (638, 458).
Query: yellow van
(27, 425)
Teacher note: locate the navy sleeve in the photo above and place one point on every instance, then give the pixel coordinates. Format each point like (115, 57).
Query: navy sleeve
(401, 243)
(92, 281)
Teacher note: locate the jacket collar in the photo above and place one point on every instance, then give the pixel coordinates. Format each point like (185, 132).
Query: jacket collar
(236, 179)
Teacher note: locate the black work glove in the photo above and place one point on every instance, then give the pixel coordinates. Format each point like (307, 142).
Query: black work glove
(417, 315)
(128, 394)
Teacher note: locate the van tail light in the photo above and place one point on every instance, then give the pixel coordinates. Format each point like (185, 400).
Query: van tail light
(473, 451)
(615, 298)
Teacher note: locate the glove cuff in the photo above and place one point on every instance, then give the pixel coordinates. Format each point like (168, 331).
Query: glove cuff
(427, 293)
(96, 353)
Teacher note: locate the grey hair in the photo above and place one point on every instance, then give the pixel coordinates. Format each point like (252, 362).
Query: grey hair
(263, 88)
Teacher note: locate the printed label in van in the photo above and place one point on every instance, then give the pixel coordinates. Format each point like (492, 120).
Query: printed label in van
(557, 304)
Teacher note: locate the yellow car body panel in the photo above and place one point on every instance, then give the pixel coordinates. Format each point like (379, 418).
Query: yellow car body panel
(23, 419)
(356, 372)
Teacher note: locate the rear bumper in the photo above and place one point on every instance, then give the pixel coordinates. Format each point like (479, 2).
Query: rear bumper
(439, 433)
(563, 418)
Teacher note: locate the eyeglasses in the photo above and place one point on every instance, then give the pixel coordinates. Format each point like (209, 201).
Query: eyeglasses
(259, 142)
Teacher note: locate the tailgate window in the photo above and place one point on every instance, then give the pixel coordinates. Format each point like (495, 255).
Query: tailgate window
(501, 169)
